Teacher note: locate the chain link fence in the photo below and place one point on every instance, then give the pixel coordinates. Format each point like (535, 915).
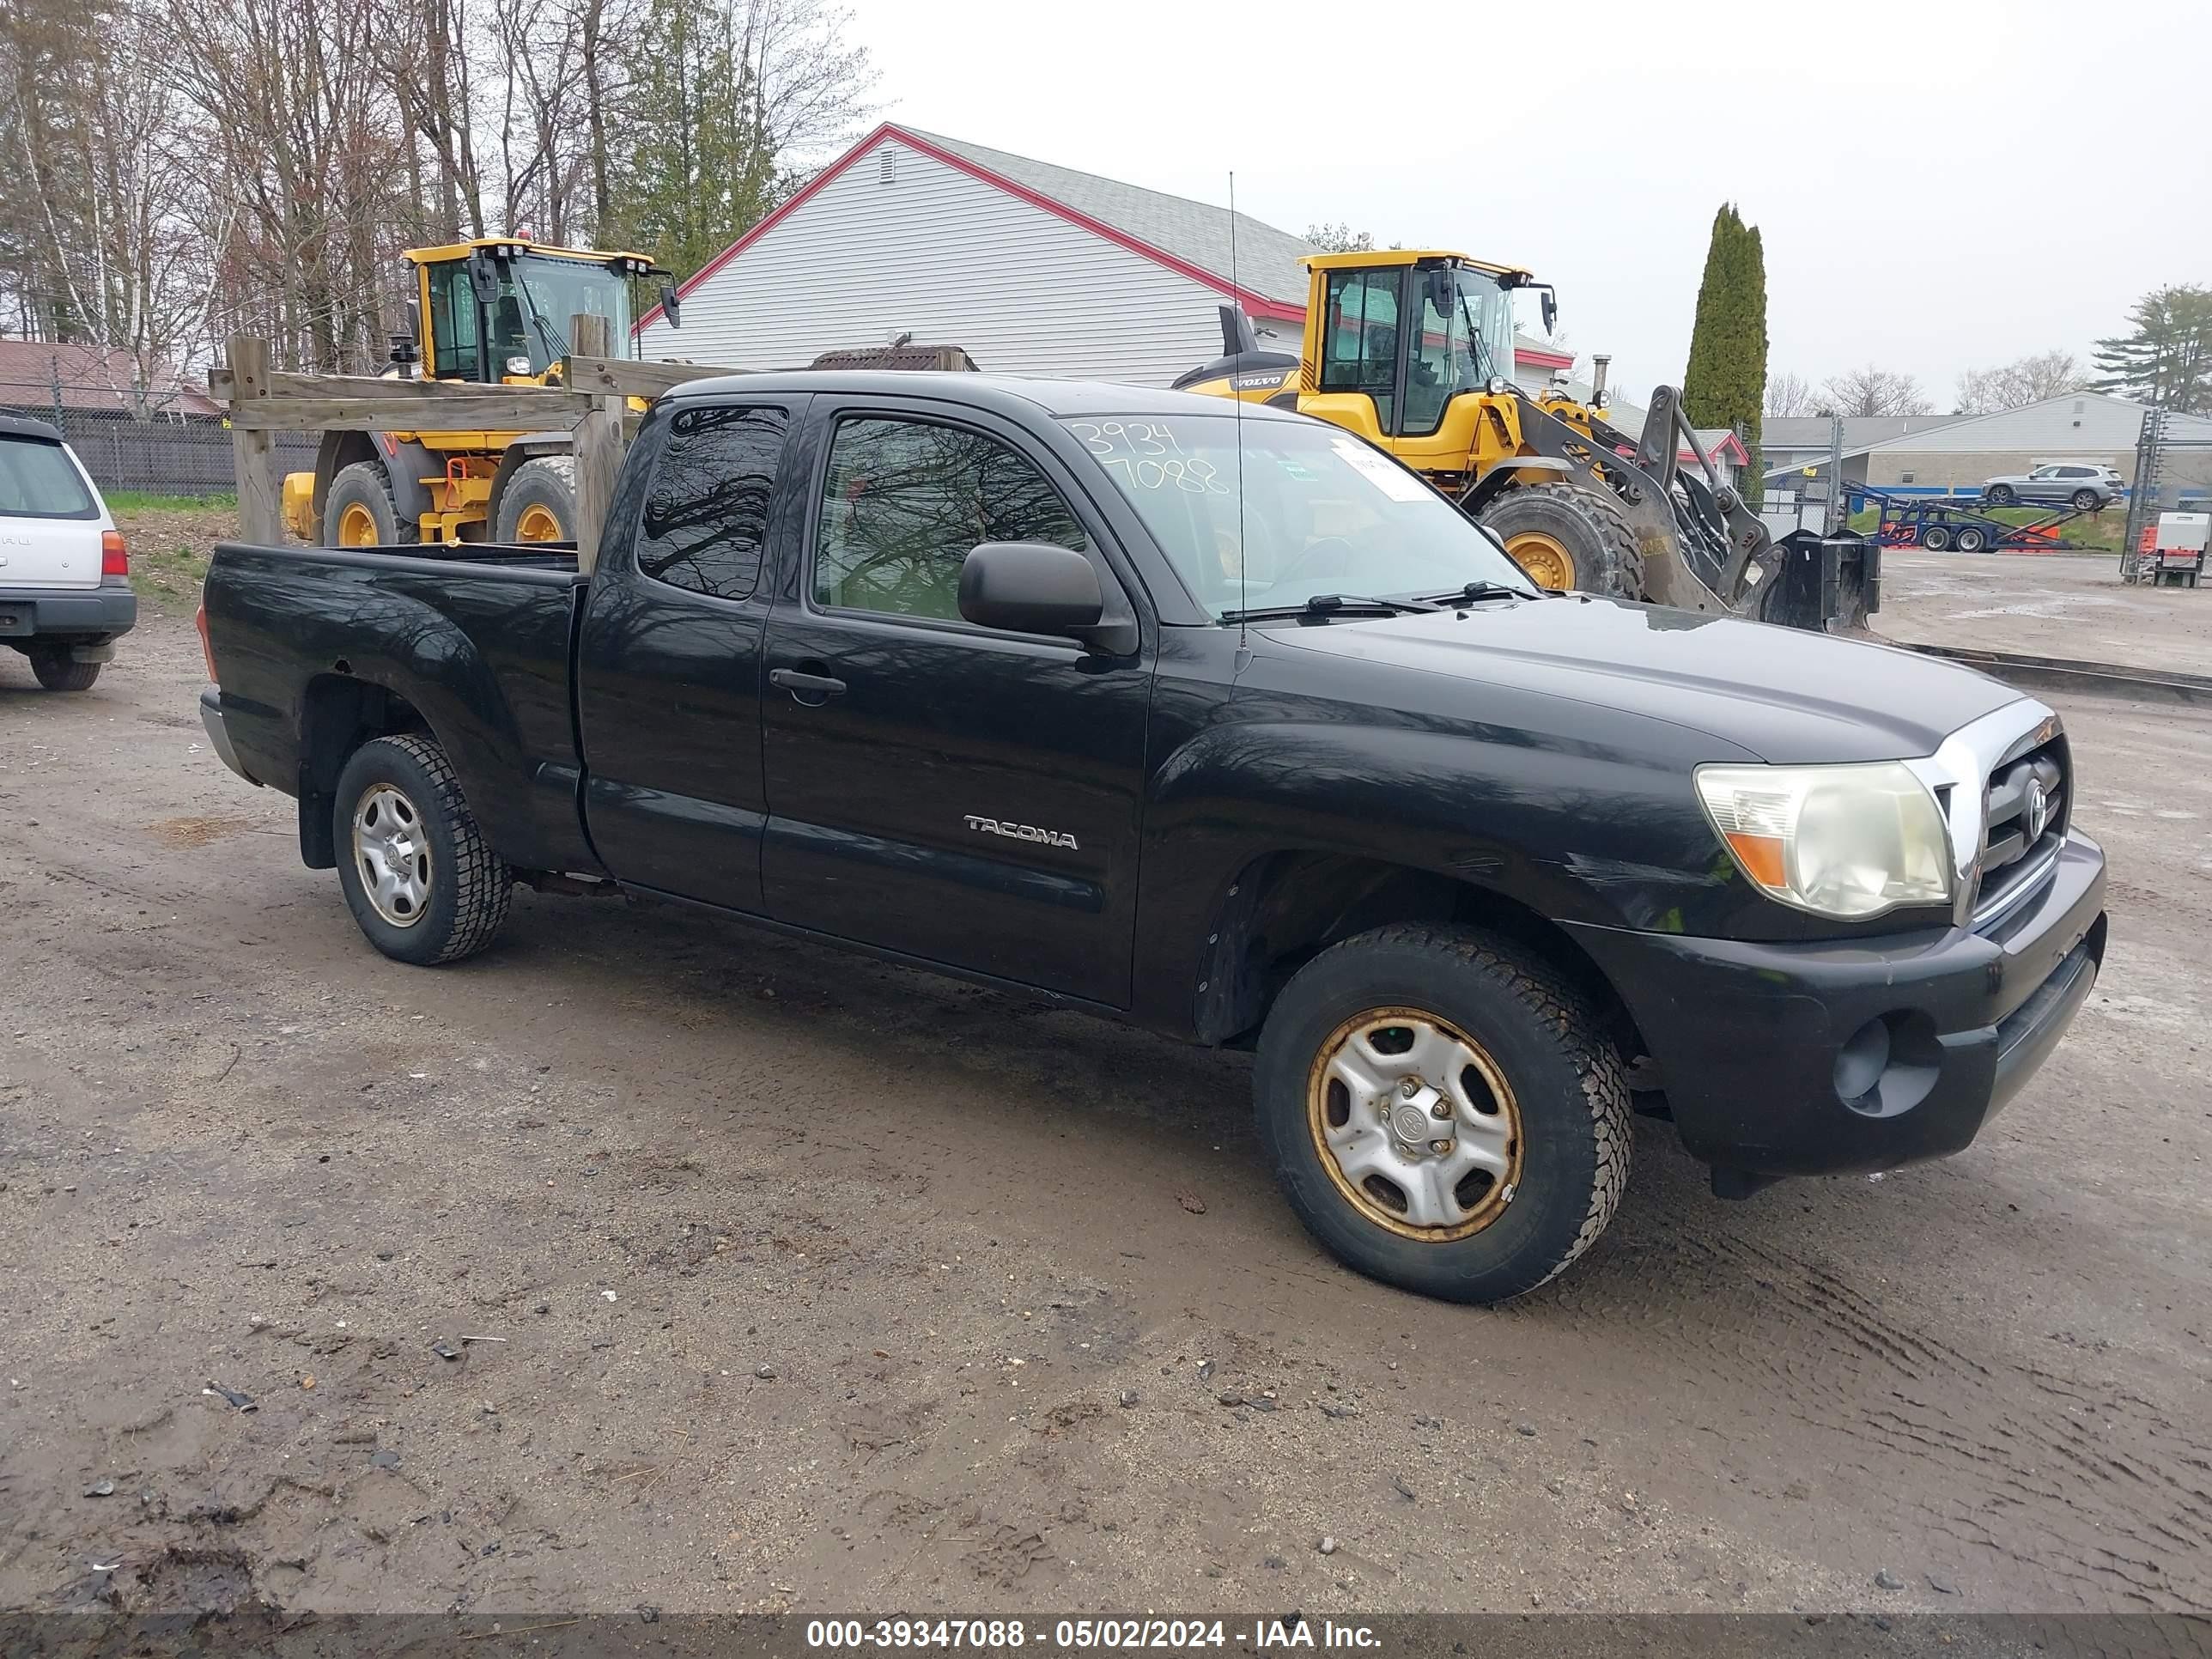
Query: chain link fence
(167, 455)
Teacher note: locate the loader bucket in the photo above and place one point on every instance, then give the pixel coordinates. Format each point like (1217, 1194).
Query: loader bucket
(1829, 584)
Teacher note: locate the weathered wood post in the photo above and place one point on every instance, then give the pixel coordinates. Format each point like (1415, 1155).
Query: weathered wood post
(252, 449)
(599, 442)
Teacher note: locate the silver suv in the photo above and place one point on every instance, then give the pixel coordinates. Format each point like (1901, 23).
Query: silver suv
(2069, 485)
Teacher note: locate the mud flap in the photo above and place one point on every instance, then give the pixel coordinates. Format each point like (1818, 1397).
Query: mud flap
(1829, 584)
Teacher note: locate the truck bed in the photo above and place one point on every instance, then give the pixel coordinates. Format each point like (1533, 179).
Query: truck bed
(478, 640)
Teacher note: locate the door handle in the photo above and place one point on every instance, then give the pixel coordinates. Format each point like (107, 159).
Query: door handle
(812, 690)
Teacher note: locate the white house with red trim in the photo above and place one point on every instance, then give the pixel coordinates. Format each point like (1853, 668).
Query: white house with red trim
(1033, 269)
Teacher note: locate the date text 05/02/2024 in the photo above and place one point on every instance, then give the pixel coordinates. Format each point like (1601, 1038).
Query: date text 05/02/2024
(1078, 1634)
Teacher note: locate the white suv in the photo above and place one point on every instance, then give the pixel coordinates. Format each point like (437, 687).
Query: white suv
(2082, 487)
(65, 579)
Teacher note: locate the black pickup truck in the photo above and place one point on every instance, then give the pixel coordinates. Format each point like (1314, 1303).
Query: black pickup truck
(1224, 724)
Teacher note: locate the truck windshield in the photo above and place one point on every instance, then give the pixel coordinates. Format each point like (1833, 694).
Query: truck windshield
(1323, 512)
(550, 292)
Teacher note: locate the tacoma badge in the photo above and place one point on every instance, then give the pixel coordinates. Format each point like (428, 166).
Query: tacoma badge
(1021, 832)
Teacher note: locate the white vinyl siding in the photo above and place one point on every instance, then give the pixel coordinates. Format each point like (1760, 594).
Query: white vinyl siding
(957, 262)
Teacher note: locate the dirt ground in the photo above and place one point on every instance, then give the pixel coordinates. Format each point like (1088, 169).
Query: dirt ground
(772, 1278)
(2045, 605)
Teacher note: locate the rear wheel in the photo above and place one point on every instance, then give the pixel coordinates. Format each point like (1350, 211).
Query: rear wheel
(417, 873)
(1935, 538)
(359, 509)
(538, 501)
(1444, 1110)
(1567, 537)
(1999, 495)
(57, 672)
(1972, 538)
(2088, 500)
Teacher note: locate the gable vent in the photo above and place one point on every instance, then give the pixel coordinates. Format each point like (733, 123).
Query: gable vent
(888, 173)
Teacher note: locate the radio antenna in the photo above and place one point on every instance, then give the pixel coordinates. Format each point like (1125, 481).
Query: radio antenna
(1236, 404)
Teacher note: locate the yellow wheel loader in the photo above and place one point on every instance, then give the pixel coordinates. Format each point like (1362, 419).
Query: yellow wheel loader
(493, 312)
(1413, 349)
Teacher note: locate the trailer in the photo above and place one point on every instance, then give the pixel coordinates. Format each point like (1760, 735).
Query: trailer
(1940, 523)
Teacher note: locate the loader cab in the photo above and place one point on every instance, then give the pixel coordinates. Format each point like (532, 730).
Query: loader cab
(497, 310)
(1409, 330)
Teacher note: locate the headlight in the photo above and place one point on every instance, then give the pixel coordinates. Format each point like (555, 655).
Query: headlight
(1847, 841)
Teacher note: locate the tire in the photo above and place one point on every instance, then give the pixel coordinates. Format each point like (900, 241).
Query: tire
(533, 491)
(1972, 538)
(359, 510)
(464, 888)
(55, 670)
(1563, 1115)
(2088, 500)
(1935, 538)
(1566, 518)
(1999, 495)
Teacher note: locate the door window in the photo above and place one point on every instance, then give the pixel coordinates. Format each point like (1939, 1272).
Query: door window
(1359, 338)
(706, 510)
(453, 321)
(906, 500)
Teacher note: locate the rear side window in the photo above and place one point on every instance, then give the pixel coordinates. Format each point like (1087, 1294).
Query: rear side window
(37, 481)
(706, 511)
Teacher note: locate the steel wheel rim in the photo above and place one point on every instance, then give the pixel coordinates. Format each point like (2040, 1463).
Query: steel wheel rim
(1389, 1087)
(392, 855)
(1544, 559)
(356, 526)
(537, 524)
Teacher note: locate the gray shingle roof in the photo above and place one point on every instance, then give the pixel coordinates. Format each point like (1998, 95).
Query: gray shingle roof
(1197, 232)
(1811, 431)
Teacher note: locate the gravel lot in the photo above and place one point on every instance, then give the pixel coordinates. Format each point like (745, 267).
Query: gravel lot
(801, 1281)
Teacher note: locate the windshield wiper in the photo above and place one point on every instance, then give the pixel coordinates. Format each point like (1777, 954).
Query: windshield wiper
(1334, 605)
(1487, 591)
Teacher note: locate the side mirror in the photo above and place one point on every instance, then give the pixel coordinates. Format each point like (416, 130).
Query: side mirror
(1034, 587)
(1550, 304)
(671, 306)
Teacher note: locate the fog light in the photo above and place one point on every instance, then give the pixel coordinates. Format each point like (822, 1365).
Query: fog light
(1890, 1064)
(1860, 1062)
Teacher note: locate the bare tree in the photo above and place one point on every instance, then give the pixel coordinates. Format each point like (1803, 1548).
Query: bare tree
(1789, 394)
(2026, 380)
(1871, 391)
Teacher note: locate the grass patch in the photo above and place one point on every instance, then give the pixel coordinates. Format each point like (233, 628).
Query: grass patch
(170, 538)
(139, 500)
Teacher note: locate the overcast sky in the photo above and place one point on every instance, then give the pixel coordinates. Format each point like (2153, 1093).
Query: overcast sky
(1941, 186)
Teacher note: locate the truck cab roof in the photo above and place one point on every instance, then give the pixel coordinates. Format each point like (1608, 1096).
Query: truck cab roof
(1007, 394)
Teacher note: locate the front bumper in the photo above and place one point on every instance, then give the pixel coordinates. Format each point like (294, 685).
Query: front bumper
(1757, 1043)
(75, 613)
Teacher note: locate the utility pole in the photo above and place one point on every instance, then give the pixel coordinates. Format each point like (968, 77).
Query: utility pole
(1832, 519)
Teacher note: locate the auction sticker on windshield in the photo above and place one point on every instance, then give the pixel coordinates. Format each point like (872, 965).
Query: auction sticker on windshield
(1392, 480)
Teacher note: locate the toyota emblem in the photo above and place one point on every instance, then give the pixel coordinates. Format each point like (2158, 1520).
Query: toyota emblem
(2038, 808)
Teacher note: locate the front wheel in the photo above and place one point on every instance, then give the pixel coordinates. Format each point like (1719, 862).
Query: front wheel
(1444, 1111)
(1565, 537)
(539, 503)
(417, 873)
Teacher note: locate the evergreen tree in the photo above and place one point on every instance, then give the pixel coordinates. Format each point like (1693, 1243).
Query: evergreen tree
(1725, 385)
(2167, 357)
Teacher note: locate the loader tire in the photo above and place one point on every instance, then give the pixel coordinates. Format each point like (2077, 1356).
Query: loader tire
(538, 503)
(359, 509)
(1567, 538)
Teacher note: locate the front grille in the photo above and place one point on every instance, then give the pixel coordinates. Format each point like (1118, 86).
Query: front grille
(2017, 852)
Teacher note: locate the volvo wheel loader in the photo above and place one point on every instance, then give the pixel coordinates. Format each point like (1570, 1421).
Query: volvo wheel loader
(493, 312)
(1413, 349)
